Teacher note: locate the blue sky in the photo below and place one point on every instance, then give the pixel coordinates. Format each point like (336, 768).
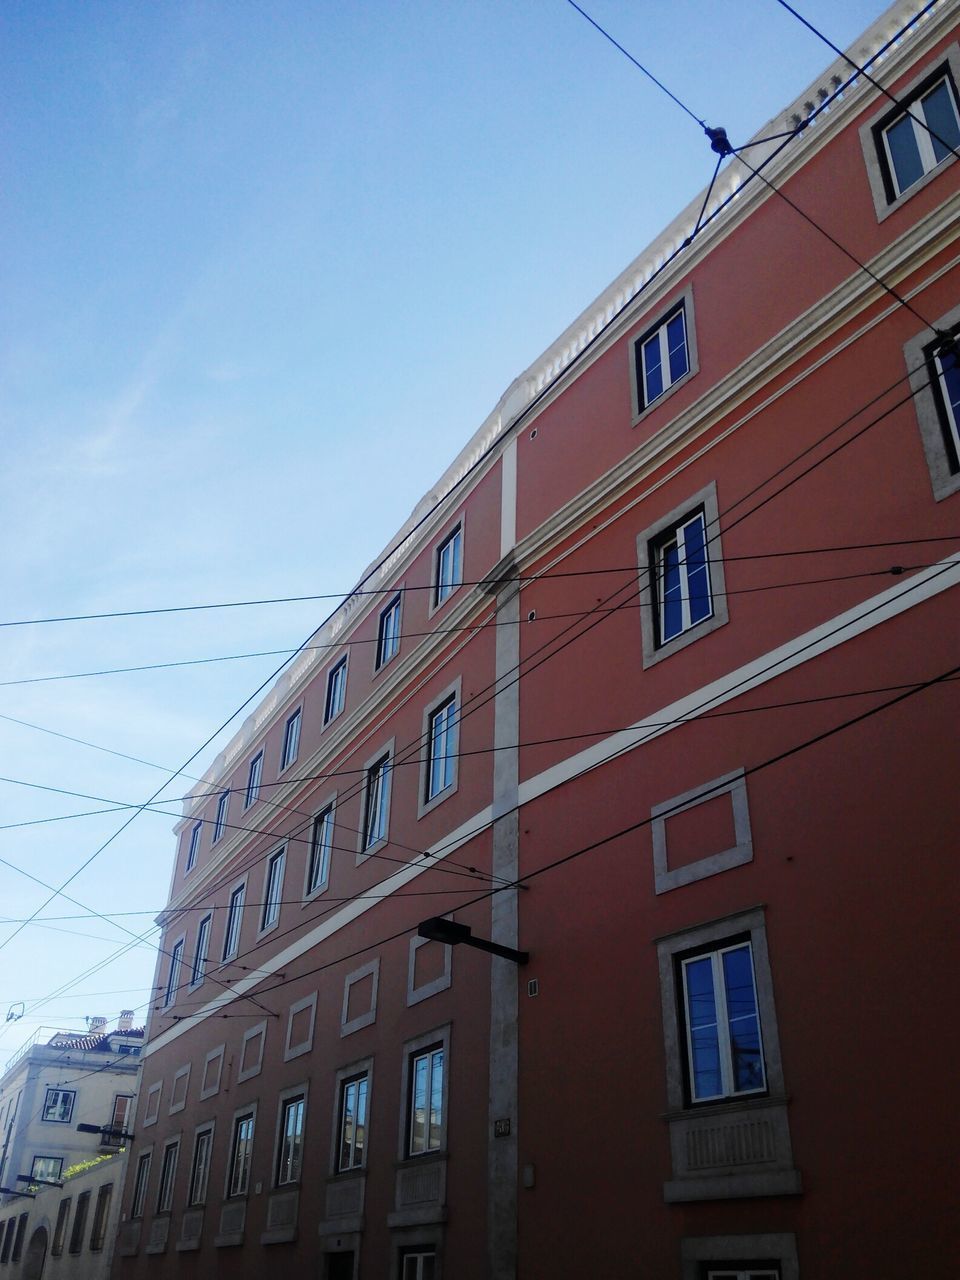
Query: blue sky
(265, 270)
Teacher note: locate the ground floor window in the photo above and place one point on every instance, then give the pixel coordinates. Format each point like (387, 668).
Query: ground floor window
(418, 1264)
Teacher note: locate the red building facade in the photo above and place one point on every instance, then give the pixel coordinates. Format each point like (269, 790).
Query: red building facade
(659, 684)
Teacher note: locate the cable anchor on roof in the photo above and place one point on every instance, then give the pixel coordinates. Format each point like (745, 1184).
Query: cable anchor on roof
(719, 142)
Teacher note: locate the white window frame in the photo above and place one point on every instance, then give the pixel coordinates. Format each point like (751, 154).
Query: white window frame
(388, 631)
(881, 173)
(383, 762)
(920, 127)
(174, 972)
(682, 303)
(412, 1050)
(288, 1099)
(335, 691)
(273, 890)
(57, 1160)
(417, 1254)
(324, 820)
(237, 1182)
(360, 1072)
(728, 1087)
(649, 545)
(57, 1105)
(254, 776)
(168, 1175)
(201, 952)
(428, 799)
(200, 1165)
(141, 1184)
(290, 747)
(447, 577)
(939, 428)
(220, 822)
(194, 846)
(234, 922)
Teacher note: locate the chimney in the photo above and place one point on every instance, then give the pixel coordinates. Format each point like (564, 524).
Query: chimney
(96, 1026)
(125, 1021)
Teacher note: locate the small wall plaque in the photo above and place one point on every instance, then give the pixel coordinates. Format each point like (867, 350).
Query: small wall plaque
(501, 1128)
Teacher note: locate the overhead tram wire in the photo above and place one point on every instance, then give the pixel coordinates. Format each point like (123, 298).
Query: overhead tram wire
(582, 851)
(803, 453)
(761, 484)
(521, 417)
(523, 579)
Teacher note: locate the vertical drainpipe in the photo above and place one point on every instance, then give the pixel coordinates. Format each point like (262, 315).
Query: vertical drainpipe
(504, 977)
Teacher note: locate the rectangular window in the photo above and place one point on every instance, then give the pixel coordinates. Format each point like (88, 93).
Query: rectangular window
(58, 1105)
(18, 1239)
(98, 1231)
(194, 848)
(418, 1264)
(722, 1023)
(241, 1154)
(8, 1240)
(202, 951)
(425, 1116)
(388, 632)
(681, 571)
(441, 747)
(946, 372)
(231, 936)
(376, 802)
(140, 1186)
(352, 1123)
(200, 1171)
(113, 1135)
(173, 977)
(221, 819)
(321, 844)
(336, 691)
(253, 780)
(60, 1230)
(920, 138)
(168, 1174)
(449, 566)
(79, 1222)
(290, 1155)
(273, 890)
(661, 358)
(46, 1168)
(291, 740)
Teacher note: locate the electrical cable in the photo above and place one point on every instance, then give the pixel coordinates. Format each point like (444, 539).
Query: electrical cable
(582, 851)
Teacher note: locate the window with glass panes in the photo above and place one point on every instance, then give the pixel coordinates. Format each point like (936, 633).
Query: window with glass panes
(273, 889)
(140, 1186)
(352, 1122)
(418, 1264)
(168, 1174)
(425, 1123)
(201, 951)
(376, 801)
(682, 573)
(241, 1155)
(388, 632)
(441, 747)
(253, 780)
(321, 843)
(290, 1155)
(231, 936)
(194, 848)
(336, 691)
(200, 1170)
(920, 138)
(176, 968)
(724, 1044)
(291, 740)
(449, 566)
(221, 820)
(661, 358)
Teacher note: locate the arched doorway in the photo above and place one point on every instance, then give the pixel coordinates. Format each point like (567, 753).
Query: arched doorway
(36, 1255)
